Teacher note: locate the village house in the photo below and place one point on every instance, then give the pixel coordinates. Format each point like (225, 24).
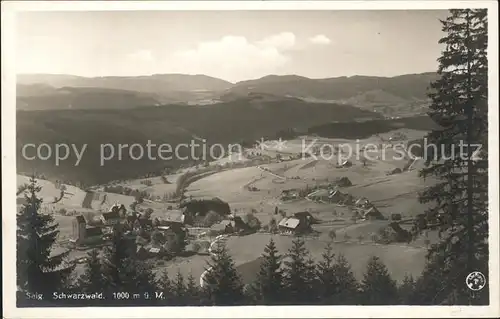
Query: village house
(176, 229)
(345, 164)
(235, 224)
(361, 202)
(343, 182)
(330, 196)
(293, 225)
(396, 216)
(84, 234)
(372, 213)
(320, 195)
(175, 216)
(338, 197)
(399, 234)
(111, 218)
(288, 194)
(156, 251)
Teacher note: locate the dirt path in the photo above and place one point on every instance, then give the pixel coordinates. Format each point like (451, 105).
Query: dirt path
(255, 180)
(271, 173)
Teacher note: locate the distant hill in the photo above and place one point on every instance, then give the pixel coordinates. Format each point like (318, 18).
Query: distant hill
(35, 89)
(148, 83)
(228, 122)
(400, 94)
(411, 86)
(45, 97)
(166, 88)
(405, 94)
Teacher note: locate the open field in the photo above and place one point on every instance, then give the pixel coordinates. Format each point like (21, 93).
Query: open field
(73, 196)
(157, 187)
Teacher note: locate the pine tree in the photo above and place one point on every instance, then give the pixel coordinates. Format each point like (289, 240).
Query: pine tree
(179, 289)
(346, 285)
(166, 287)
(326, 277)
(224, 286)
(121, 271)
(460, 107)
(406, 290)
(38, 271)
(194, 297)
(298, 274)
(432, 287)
(91, 280)
(378, 287)
(268, 287)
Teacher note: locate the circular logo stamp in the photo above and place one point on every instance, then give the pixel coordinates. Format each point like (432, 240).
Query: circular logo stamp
(475, 281)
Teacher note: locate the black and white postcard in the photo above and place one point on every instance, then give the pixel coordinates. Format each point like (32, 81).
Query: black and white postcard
(250, 159)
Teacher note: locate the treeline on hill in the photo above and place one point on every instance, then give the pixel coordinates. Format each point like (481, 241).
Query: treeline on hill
(360, 130)
(223, 123)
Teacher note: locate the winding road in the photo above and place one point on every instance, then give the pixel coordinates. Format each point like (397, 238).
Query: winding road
(212, 251)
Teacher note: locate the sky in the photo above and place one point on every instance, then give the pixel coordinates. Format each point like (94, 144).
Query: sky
(231, 45)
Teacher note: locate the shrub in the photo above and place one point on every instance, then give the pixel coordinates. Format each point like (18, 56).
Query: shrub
(139, 198)
(252, 221)
(148, 212)
(273, 226)
(332, 234)
(211, 218)
(195, 247)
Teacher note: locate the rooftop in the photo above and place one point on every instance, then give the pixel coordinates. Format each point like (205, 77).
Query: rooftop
(289, 222)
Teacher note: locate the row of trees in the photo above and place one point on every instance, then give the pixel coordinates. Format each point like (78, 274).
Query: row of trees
(459, 204)
(123, 190)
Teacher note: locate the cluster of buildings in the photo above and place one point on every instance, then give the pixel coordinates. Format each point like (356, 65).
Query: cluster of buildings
(93, 232)
(333, 196)
(86, 232)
